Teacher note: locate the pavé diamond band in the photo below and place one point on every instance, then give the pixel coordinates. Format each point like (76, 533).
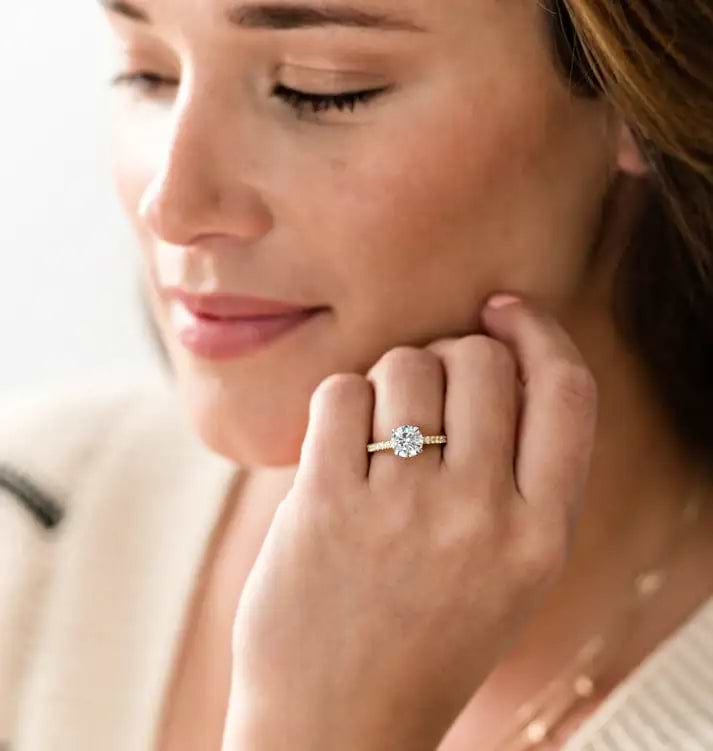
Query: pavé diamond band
(406, 441)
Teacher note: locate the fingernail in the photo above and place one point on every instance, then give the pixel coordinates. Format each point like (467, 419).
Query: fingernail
(501, 301)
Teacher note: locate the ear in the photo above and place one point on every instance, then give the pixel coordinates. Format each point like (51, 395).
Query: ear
(629, 158)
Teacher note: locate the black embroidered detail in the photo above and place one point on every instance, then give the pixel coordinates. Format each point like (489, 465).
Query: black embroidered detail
(45, 508)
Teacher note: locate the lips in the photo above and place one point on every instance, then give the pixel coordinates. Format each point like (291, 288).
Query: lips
(232, 307)
(226, 338)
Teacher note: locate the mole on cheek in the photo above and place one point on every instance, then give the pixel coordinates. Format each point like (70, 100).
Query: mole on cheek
(337, 165)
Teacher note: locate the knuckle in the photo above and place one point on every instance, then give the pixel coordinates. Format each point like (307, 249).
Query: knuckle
(443, 346)
(407, 359)
(542, 561)
(575, 384)
(491, 352)
(485, 527)
(463, 531)
(340, 386)
(484, 354)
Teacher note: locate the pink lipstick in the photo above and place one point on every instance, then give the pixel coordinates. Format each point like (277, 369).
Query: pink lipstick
(227, 326)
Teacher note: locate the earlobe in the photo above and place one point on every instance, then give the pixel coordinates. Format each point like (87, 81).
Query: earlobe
(629, 158)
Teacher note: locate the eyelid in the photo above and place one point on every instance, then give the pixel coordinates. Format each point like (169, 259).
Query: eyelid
(315, 78)
(137, 55)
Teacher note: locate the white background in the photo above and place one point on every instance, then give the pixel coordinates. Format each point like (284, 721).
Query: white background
(69, 305)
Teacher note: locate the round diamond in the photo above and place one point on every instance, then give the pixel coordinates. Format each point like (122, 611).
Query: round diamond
(407, 441)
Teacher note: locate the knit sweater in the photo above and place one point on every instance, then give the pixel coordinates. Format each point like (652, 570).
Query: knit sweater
(107, 504)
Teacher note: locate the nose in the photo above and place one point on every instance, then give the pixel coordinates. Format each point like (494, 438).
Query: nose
(199, 189)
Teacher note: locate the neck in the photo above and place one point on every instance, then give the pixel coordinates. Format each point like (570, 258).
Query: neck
(640, 480)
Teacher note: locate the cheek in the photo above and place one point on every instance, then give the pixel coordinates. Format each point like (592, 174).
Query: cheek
(502, 192)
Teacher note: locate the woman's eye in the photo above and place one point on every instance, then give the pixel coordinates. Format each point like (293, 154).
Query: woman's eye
(145, 81)
(152, 83)
(323, 102)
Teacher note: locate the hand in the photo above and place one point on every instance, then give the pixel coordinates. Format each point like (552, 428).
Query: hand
(387, 589)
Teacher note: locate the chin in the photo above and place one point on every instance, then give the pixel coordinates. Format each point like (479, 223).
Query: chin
(244, 447)
(245, 435)
(254, 413)
(264, 455)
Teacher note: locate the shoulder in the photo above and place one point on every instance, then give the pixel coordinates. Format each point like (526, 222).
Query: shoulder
(108, 500)
(673, 681)
(54, 440)
(52, 437)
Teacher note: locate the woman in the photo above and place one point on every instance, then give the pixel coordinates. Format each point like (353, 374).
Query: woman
(539, 578)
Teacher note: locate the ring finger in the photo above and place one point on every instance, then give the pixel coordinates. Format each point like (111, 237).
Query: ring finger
(409, 388)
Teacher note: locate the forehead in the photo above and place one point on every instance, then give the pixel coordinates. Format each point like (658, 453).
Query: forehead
(479, 33)
(382, 15)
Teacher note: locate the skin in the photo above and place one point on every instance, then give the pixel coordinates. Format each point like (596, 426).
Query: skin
(453, 552)
(478, 172)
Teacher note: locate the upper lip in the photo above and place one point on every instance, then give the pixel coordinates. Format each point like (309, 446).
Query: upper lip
(235, 306)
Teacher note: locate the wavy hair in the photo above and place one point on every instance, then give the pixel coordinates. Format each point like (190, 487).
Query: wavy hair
(652, 60)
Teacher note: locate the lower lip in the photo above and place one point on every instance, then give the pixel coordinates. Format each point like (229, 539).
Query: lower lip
(218, 339)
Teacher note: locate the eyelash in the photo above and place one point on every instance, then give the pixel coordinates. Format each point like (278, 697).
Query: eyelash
(298, 100)
(150, 83)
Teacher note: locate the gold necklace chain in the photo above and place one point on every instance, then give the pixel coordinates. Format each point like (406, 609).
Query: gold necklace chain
(536, 719)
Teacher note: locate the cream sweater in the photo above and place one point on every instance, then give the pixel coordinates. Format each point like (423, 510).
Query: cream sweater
(107, 504)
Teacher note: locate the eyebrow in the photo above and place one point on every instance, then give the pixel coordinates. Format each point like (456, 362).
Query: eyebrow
(287, 16)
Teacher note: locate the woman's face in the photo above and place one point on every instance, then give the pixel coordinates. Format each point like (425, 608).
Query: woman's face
(476, 170)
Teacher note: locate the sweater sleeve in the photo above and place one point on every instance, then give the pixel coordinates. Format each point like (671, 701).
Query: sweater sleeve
(50, 439)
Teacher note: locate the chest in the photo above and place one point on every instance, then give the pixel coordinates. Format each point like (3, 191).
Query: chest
(197, 696)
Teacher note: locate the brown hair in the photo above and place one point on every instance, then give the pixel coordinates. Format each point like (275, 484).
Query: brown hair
(652, 60)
